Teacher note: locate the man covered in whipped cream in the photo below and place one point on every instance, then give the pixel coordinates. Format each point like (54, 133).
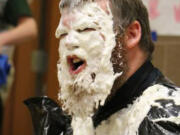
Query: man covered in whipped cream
(108, 84)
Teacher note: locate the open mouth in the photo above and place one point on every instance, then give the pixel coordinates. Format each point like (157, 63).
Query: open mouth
(76, 65)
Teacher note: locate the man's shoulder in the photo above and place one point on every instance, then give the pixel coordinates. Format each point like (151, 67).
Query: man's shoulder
(164, 115)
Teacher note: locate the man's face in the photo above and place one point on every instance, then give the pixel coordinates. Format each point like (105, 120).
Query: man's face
(85, 71)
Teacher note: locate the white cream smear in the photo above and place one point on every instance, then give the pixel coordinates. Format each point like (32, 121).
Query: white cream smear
(128, 120)
(80, 93)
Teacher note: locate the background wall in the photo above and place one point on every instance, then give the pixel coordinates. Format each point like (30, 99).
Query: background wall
(167, 57)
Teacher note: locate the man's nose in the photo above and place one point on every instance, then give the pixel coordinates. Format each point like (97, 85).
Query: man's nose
(72, 41)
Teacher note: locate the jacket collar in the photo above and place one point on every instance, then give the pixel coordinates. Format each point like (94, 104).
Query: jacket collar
(144, 77)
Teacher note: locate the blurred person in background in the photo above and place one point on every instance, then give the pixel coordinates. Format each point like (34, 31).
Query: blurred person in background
(16, 26)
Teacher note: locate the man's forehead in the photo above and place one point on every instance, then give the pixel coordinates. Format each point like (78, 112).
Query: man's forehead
(69, 4)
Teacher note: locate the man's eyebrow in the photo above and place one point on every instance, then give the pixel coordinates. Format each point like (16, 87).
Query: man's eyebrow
(78, 30)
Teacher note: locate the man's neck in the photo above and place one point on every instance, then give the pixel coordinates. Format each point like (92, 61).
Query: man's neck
(135, 59)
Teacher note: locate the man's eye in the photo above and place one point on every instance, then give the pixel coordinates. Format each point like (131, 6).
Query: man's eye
(86, 30)
(63, 35)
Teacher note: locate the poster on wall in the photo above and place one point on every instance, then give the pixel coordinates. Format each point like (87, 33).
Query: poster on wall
(164, 16)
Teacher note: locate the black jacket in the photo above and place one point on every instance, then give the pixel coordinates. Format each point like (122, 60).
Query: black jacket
(57, 122)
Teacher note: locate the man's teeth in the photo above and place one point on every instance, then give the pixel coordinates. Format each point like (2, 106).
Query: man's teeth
(76, 60)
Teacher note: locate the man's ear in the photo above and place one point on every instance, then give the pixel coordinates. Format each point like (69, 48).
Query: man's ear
(133, 35)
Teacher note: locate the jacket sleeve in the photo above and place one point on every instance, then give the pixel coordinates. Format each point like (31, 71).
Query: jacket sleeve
(162, 120)
(48, 118)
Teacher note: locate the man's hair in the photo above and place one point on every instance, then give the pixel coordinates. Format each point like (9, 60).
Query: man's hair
(127, 11)
(124, 13)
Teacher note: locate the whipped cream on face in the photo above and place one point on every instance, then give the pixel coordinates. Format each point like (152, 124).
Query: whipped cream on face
(89, 36)
(81, 93)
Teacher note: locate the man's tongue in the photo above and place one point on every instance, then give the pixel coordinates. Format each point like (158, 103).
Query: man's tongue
(76, 65)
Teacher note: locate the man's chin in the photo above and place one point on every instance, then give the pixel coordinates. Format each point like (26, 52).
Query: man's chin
(84, 104)
(82, 95)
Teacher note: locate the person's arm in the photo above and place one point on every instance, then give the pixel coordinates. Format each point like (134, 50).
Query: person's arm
(26, 29)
